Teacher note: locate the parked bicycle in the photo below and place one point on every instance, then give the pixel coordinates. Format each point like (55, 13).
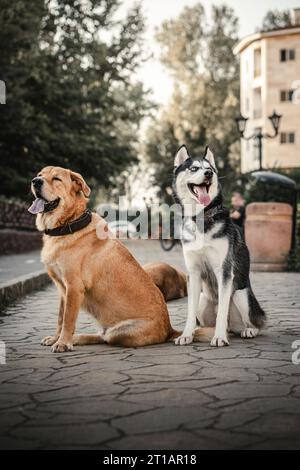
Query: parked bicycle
(168, 243)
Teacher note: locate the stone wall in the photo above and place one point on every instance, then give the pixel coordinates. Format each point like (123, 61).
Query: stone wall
(19, 241)
(18, 233)
(14, 214)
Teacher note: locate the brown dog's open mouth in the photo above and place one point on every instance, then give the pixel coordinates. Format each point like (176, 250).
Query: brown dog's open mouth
(201, 191)
(40, 205)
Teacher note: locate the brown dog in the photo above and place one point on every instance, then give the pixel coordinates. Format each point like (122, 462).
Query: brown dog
(170, 281)
(95, 273)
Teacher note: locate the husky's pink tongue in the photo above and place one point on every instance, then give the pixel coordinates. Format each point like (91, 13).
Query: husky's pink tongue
(37, 206)
(202, 195)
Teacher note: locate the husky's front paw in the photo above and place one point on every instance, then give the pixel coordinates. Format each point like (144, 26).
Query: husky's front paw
(60, 347)
(184, 340)
(219, 341)
(249, 333)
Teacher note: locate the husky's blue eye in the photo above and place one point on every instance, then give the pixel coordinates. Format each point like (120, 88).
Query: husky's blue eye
(194, 168)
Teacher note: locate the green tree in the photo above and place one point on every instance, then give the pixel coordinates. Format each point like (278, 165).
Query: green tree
(180, 41)
(71, 95)
(205, 99)
(19, 52)
(275, 19)
(160, 147)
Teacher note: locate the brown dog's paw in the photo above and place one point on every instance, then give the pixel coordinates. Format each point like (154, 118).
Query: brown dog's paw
(60, 347)
(49, 340)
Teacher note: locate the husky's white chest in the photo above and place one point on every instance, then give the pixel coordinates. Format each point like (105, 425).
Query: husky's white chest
(206, 249)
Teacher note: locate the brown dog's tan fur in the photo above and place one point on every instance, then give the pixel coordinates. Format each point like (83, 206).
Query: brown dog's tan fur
(97, 274)
(170, 281)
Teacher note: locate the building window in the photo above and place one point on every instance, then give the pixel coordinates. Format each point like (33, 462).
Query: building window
(287, 137)
(257, 63)
(287, 54)
(286, 95)
(292, 54)
(257, 103)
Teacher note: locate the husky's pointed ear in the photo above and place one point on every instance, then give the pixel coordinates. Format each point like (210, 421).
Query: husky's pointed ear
(181, 156)
(210, 157)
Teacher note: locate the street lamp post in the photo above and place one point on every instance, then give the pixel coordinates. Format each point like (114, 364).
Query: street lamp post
(241, 122)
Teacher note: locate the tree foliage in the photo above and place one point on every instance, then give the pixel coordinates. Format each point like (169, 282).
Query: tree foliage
(275, 19)
(71, 95)
(205, 99)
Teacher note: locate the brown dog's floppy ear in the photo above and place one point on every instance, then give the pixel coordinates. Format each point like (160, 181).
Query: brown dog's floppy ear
(80, 183)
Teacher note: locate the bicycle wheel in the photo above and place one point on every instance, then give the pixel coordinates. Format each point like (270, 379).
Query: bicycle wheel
(167, 244)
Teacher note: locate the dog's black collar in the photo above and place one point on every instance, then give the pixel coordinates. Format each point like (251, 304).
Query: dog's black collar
(216, 210)
(71, 227)
(213, 213)
(50, 206)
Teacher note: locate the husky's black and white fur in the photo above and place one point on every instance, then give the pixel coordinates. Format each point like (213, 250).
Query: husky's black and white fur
(219, 289)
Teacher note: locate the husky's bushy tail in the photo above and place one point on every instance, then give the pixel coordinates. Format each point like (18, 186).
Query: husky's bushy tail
(256, 314)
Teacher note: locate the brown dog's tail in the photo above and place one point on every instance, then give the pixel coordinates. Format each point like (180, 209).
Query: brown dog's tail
(203, 335)
(173, 334)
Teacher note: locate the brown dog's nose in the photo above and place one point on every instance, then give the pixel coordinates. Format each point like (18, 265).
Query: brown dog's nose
(37, 182)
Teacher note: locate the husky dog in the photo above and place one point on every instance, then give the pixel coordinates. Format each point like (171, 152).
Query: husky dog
(219, 289)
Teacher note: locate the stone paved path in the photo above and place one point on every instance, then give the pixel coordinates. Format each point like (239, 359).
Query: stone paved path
(160, 397)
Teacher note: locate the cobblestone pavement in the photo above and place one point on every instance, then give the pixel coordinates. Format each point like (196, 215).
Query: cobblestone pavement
(159, 397)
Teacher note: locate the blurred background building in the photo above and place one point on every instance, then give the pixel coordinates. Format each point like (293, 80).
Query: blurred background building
(269, 71)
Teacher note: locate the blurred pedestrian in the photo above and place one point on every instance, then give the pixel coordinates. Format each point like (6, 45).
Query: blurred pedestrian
(237, 212)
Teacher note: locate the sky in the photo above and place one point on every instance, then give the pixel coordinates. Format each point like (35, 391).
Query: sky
(152, 73)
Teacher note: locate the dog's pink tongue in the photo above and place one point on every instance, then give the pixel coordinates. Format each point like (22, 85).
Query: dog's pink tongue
(202, 195)
(37, 206)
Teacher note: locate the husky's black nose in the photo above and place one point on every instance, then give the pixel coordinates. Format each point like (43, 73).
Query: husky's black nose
(208, 173)
(37, 182)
